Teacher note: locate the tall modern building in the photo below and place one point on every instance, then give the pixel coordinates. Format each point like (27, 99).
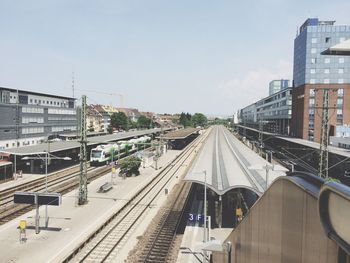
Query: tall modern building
(28, 117)
(278, 85)
(274, 112)
(314, 72)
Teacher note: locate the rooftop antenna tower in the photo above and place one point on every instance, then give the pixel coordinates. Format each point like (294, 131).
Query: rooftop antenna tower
(73, 83)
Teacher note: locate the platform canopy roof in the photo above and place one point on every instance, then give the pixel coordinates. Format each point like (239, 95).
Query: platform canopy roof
(225, 163)
(53, 147)
(302, 142)
(180, 134)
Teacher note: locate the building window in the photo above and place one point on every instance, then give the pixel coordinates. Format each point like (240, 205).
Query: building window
(313, 61)
(340, 92)
(327, 60)
(312, 71)
(7, 145)
(327, 39)
(313, 50)
(27, 120)
(32, 110)
(339, 113)
(314, 40)
(30, 130)
(342, 39)
(341, 60)
(312, 92)
(340, 103)
(31, 100)
(340, 81)
(61, 111)
(326, 81)
(311, 102)
(311, 113)
(312, 81)
(326, 70)
(341, 71)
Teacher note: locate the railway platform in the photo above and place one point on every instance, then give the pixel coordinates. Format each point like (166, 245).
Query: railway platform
(25, 178)
(70, 224)
(233, 177)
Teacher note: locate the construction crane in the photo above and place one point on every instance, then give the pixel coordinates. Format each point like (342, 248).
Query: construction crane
(120, 95)
(121, 98)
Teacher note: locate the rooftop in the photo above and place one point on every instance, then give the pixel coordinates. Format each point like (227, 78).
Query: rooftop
(36, 93)
(67, 145)
(180, 134)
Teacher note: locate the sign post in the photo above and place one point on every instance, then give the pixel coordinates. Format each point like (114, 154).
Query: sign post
(37, 199)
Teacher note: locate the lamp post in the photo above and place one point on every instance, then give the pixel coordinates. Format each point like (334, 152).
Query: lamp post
(205, 206)
(267, 167)
(229, 250)
(47, 156)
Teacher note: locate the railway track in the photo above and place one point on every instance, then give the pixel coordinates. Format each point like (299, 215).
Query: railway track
(35, 184)
(59, 182)
(61, 185)
(158, 245)
(104, 243)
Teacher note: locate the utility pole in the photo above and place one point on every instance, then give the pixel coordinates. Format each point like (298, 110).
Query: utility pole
(261, 127)
(83, 160)
(17, 131)
(245, 125)
(323, 162)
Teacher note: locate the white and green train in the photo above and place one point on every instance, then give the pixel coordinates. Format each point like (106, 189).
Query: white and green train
(106, 153)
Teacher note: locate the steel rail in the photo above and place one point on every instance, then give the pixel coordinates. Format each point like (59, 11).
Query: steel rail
(134, 202)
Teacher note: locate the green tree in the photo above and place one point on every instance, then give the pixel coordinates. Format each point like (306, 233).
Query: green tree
(119, 120)
(130, 165)
(144, 122)
(199, 119)
(132, 124)
(185, 119)
(110, 129)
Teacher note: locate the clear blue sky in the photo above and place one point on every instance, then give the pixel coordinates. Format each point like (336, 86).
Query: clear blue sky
(165, 56)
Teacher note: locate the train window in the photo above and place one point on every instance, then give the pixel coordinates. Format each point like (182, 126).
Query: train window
(96, 154)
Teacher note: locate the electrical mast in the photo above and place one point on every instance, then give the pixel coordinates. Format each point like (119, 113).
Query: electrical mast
(261, 138)
(83, 160)
(323, 162)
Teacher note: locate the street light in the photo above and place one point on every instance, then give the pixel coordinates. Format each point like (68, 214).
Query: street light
(229, 250)
(205, 239)
(267, 167)
(205, 206)
(47, 156)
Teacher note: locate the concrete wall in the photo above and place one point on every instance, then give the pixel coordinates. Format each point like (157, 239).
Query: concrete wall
(283, 226)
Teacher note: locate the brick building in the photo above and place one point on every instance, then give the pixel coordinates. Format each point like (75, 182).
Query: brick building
(313, 72)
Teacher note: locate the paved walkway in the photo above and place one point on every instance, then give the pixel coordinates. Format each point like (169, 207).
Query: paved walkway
(70, 224)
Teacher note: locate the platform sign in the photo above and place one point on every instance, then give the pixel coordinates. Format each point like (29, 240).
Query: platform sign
(195, 217)
(32, 198)
(24, 198)
(49, 199)
(22, 224)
